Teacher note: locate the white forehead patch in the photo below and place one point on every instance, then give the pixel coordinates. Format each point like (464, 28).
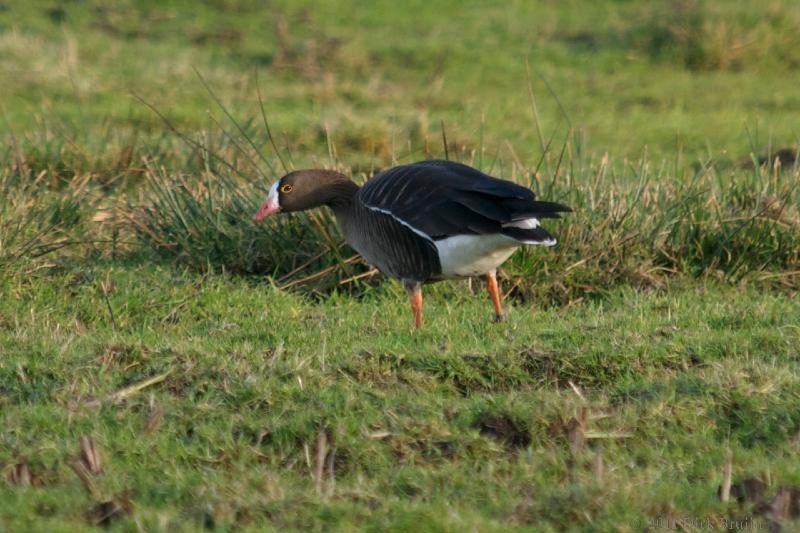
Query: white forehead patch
(273, 194)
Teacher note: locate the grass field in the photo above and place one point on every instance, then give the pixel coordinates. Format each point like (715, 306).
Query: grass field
(167, 365)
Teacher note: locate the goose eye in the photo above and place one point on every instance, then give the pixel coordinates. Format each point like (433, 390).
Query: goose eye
(286, 188)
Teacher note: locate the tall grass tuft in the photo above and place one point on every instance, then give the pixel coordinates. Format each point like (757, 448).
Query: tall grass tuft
(738, 226)
(206, 222)
(632, 224)
(37, 218)
(638, 229)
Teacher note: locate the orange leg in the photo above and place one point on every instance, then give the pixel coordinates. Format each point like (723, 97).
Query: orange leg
(494, 292)
(414, 291)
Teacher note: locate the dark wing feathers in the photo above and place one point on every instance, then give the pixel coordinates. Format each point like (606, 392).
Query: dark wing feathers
(471, 179)
(458, 216)
(443, 198)
(495, 210)
(525, 209)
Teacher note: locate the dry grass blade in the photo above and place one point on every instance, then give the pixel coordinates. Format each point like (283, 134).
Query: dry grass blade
(85, 476)
(322, 451)
(154, 420)
(576, 390)
(90, 455)
(592, 435)
(727, 473)
(88, 465)
(19, 475)
(576, 429)
(368, 274)
(321, 273)
(300, 268)
(130, 390)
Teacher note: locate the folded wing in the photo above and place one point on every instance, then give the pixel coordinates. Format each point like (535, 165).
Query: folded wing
(443, 199)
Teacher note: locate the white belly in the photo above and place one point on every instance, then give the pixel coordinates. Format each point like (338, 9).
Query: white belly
(474, 255)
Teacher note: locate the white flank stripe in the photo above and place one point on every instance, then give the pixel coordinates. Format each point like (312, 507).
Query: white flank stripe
(401, 221)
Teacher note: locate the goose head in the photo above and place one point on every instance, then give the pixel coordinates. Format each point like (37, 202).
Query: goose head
(306, 189)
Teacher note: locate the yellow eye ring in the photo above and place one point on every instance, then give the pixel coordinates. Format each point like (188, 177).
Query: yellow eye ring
(285, 189)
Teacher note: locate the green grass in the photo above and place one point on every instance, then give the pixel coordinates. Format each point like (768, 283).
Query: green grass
(205, 356)
(696, 77)
(669, 379)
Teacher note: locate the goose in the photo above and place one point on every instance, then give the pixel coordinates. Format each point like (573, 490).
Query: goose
(425, 221)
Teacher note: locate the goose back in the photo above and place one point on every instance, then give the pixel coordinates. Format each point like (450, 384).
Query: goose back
(442, 199)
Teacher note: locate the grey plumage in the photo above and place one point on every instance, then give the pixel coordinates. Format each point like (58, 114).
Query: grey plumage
(386, 243)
